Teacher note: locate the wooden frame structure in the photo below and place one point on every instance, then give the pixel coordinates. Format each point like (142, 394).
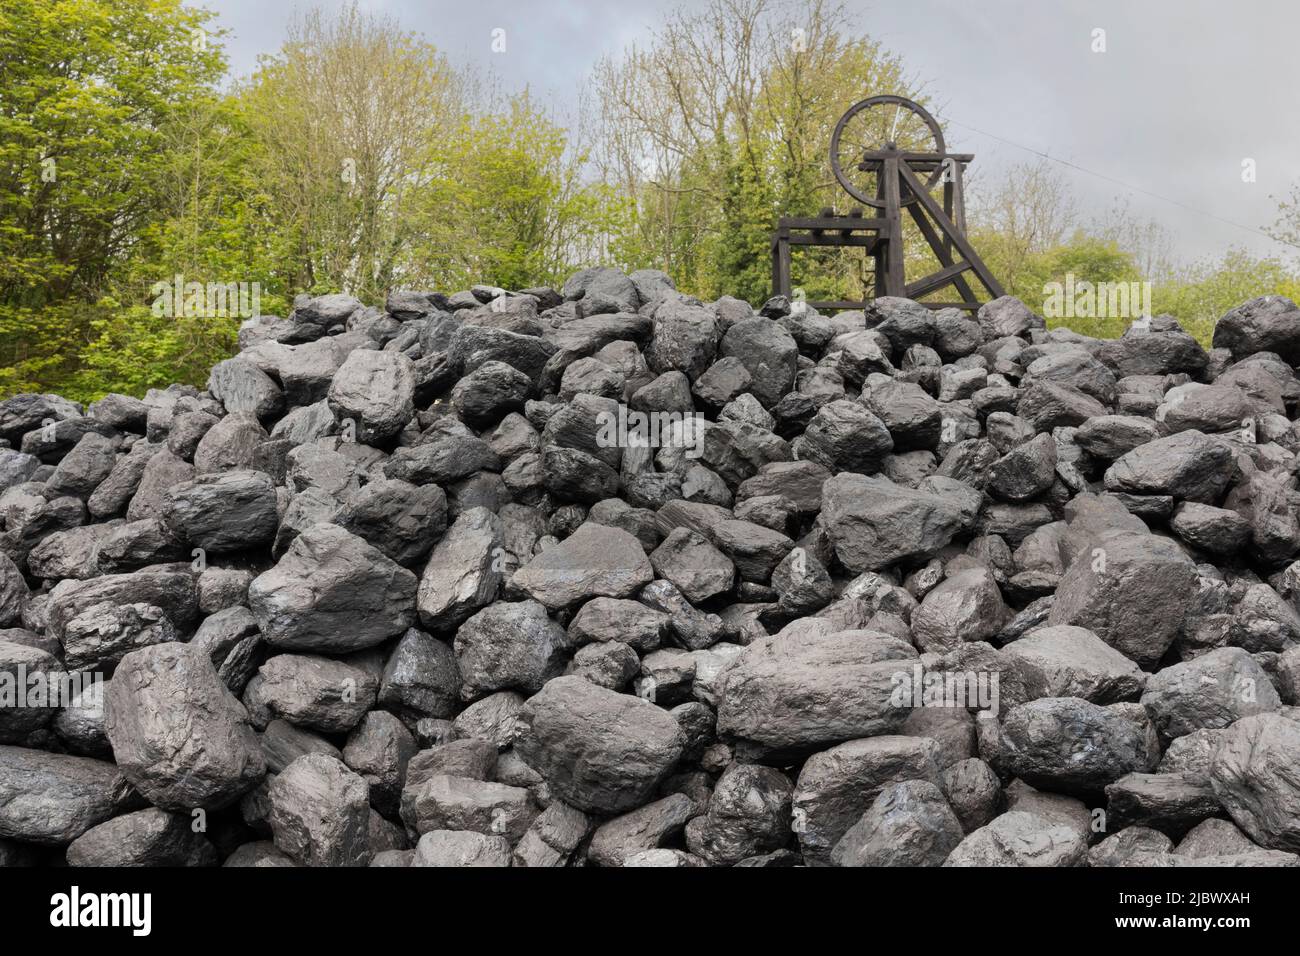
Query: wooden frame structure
(903, 181)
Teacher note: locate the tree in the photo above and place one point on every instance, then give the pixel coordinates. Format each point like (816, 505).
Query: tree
(1286, 228)
(509, 206)
(388, 168)
(1200, 293)
(213, 225)
(350, 116)
(89, 91)
(1016, 219)
(358, 159)
(720, 125)
(1146, 240)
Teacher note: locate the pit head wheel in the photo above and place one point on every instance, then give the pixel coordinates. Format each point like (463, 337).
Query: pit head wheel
(881, 124)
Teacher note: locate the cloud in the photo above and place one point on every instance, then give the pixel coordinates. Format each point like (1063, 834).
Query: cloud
(1185, 90)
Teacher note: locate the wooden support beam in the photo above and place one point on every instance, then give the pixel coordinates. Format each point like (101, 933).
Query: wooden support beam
(881, 251)
(959, 198)
(940, 249)
(927, 161)
(946, 225)
(894, 253)
(838, 304)
(935, 280)
(783, 268)
(852, 304)
(901, 183)
(825, 240)
(947, 211)
(833, 222)
(778, 240)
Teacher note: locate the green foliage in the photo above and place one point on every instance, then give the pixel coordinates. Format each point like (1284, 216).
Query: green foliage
(720, 126)
(1198, 296)
(1204, 292)
(507, 206)
(357, 159)
(157, 174)
(1080, 259)
(90, 89)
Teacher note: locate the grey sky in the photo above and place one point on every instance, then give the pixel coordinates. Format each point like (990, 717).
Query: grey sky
(1185, 91)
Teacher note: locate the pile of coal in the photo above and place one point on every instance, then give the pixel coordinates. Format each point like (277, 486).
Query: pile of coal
(612, 576)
